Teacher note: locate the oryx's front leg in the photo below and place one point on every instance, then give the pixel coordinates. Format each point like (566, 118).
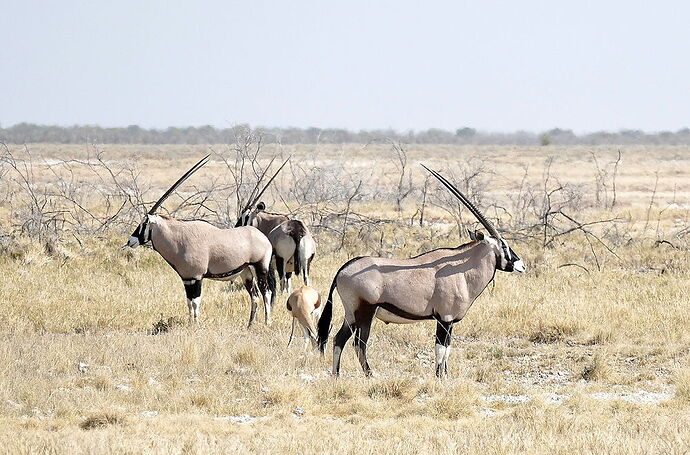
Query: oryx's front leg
(443, 337)
(253, 290)
(262, 280)
(193, 290)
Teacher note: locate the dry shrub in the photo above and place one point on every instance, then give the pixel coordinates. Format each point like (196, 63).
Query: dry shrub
(15, 248)
(246, 357)
(102, 419)
(189, 354)
(164, 325)
(681, 380)
(102, 382)
(552, 332)
(397, 388)
(336, 390)
(598, 369)
(455, 400)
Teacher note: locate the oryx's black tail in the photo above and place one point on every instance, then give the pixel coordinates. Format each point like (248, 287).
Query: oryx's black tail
(326, 316)
(296, 229)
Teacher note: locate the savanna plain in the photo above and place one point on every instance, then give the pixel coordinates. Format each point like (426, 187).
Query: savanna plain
(588, 351)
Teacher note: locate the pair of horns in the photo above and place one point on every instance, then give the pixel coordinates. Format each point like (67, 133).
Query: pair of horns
(254, 195)
(252, 200)
(475, 211)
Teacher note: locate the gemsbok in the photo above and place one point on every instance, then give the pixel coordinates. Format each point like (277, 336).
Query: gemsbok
(304, 304)
(196, 249)
(293, 245)
(440, 284)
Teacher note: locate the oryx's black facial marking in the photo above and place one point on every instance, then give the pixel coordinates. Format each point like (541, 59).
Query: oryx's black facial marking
(142, 234)
(509, 260)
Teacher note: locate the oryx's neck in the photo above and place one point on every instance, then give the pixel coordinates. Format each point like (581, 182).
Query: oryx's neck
(165, 236)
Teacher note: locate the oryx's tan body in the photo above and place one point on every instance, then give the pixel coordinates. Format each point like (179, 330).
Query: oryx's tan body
(440, 284)
(197, 249)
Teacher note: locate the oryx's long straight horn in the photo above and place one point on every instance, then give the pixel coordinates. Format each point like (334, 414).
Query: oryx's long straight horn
(179, 182)
(253, 199)
(475, 211)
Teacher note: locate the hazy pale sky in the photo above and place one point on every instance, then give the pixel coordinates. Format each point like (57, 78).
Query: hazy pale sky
(498, 66)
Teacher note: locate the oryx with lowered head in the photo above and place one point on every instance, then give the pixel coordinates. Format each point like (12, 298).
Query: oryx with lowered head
(441, 284)
(293, 245)
(196, 250)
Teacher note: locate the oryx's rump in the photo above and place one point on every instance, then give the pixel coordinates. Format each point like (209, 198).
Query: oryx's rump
(289, 241)
(197, 249)
(293, 245)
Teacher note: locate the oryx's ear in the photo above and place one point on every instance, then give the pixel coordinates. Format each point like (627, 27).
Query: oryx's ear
(260, 207)
(476, 235)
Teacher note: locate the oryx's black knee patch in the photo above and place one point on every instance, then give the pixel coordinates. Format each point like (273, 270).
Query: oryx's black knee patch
(193, 289)
(443, 332)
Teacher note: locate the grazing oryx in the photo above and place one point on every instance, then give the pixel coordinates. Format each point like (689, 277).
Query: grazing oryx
(196, 250)
(293, 245)
(441, 284)
(305, 307)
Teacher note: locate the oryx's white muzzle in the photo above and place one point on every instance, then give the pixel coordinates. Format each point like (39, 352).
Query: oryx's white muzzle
(519, 266)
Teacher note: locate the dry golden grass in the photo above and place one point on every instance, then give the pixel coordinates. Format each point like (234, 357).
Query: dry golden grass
(559, 360)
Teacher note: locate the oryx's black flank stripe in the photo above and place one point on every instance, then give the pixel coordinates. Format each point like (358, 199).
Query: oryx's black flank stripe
(215, 276)
(404, 314)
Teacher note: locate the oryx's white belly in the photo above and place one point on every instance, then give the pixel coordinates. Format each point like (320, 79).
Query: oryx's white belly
(387, 316)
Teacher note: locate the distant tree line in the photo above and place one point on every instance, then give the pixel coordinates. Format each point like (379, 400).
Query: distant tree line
(32, 133)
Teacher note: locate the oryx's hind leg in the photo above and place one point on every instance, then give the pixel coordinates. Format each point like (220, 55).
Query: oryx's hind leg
(262, 280)
(251, 287)
(288, 282)
(339, 341)
(364, 316)
(280, 268)
(444, 331)
(193, 290)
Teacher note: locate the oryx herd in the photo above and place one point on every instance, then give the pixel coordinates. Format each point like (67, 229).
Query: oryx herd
(440, 284)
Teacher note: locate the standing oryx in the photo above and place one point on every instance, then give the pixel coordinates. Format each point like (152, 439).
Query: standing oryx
(441, 284)
(293, 246)
(196, 250)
